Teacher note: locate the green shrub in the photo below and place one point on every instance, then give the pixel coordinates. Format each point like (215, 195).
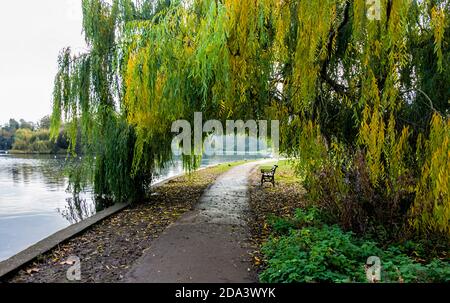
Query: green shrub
(302, 218)
(316, 252)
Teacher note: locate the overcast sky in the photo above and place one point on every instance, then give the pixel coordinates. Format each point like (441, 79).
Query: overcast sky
(32, 32)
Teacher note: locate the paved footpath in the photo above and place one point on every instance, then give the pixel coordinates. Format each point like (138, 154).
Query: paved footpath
(206, 244)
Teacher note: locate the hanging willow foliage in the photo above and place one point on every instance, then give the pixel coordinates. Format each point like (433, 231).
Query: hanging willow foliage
(431, 210)
(366, 88)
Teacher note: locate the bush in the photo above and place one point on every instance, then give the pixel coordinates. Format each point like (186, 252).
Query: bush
(28, 141)
(316, 252)
(41, 147)
(388, 177)
(348, 197)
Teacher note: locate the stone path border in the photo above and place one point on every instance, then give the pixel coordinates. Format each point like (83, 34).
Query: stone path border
(26, 256)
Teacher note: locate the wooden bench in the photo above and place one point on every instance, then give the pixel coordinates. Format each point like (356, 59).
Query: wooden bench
(268, 175)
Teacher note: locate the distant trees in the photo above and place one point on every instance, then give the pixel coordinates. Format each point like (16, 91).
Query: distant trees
(33, 141)
(44, 122)
(25, 124)
(30, 137)
(6, 139)
(13, 125)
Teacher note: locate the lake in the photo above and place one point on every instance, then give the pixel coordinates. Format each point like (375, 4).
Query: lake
(35, 203)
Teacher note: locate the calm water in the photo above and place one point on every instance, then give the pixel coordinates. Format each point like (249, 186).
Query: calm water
(35, 203)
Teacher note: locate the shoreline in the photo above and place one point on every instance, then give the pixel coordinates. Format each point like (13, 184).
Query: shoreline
(19, 152)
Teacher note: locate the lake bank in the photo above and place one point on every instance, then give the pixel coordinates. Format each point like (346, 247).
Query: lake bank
(23, 152)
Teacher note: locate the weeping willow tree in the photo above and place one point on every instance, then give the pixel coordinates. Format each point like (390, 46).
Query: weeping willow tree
(364, 94)
(358, 97)
(88, 94)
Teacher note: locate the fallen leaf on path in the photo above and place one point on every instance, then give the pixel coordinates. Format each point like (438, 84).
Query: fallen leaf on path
(32, 270)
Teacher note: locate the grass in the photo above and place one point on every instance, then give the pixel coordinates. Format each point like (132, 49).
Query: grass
(224, 167)
(285, 173)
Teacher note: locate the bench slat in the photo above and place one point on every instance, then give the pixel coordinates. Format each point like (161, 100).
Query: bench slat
(268, 175)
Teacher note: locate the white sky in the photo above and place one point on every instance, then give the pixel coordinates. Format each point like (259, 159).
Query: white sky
(32, 32)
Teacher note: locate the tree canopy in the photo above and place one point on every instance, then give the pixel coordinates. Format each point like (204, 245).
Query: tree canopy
(356, 97)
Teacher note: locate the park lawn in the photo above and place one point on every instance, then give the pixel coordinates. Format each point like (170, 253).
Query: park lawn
(285, 174)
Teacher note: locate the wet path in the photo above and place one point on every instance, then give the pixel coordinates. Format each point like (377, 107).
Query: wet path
(207, 244)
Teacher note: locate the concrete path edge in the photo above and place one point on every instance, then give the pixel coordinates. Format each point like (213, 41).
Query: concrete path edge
(26, 256)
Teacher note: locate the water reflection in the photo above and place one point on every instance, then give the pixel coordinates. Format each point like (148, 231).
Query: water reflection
(34, 202)
(77, 209)
(27, 169)
(15, 175)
